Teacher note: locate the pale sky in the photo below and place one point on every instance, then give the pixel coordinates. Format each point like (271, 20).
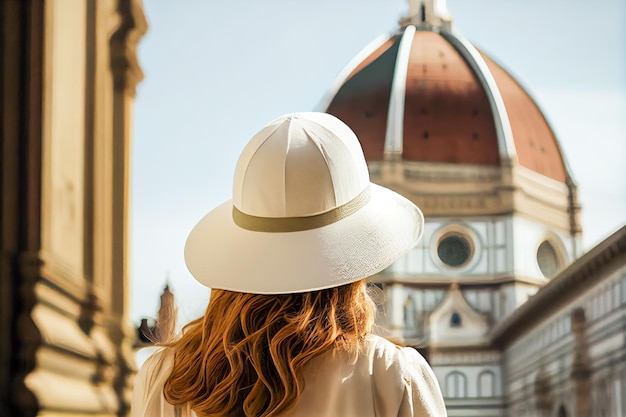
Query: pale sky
(217, 71)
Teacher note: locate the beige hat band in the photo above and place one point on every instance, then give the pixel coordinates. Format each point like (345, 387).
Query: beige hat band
(299, 224)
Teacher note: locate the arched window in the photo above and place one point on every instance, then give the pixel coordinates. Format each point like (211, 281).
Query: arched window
(486, 384)
(456, 385)
(455, 320)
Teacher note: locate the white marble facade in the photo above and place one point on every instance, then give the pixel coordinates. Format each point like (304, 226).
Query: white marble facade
(451, 315)
(501, 271)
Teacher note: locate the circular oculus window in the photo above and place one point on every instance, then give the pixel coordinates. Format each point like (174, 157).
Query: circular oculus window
(547, 259)
(454, 249)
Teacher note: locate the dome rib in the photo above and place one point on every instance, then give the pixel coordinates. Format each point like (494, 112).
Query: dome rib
(394, 135)
(476, 62)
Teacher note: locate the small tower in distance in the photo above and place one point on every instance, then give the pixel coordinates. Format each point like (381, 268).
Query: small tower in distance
(166, 316)
(164, 327)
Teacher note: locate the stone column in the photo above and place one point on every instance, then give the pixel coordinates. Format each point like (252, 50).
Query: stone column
(21, 63)
(126, 75)
(581, 372)
(64, 155)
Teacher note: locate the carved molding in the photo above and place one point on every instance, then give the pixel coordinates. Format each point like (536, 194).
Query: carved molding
(82, 363)
(439, 358)
(125, 66)
(464, 205)
(27, 333)
(457, 190)
(62, 275)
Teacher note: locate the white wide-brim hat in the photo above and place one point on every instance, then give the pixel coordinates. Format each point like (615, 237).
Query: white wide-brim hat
(304, 215)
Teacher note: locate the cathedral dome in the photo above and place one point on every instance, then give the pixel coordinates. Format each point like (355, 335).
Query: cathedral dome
(426, 94)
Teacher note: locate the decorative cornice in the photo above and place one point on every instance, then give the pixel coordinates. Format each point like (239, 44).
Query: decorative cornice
(571, 282)
(460, 204)
(125, 66)
(443, 280)
(28, 333)
(453, 190)
(469, 357)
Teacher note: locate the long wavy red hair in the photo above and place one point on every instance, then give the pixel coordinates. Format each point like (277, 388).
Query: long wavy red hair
(245, 356)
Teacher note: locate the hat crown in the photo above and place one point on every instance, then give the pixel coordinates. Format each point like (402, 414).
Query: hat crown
(299, 165)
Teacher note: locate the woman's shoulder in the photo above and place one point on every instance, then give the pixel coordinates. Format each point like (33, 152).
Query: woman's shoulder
(154, 371)
(402, 380)
(379, 348)
(387, 357)
(148, 397)
(160, 361)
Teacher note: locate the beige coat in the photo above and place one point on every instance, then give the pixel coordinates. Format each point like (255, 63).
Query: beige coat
(383, 381)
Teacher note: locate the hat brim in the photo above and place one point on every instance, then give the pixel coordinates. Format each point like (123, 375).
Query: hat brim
(220, 254)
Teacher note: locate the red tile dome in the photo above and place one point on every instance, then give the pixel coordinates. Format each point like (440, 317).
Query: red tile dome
(426, 94)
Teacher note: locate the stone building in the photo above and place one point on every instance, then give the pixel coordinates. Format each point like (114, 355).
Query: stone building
(563, 353)
(497, 296)
(68, 76)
